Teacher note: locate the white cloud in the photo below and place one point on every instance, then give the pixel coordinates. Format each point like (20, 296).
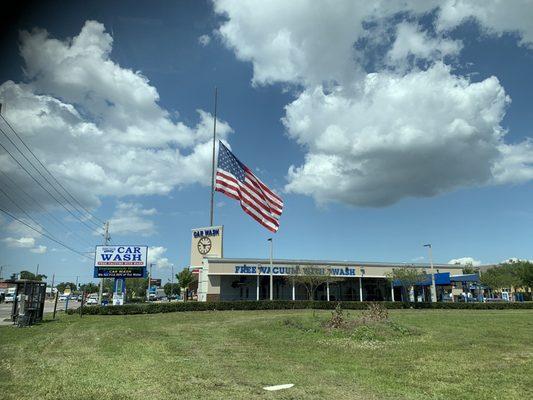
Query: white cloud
(155, 256)
(495, 16)
(411, 40)
(40, 250)
(23, 242)
(204, 40)
(371, 139)
(107, 119)
(19, 229)
(465, 261)
(416, 135)
(131, 218)
(309, 42)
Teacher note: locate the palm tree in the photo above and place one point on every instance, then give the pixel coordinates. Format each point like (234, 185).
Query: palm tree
(185, 278)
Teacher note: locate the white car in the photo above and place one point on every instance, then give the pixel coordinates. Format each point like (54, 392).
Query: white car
(10, 298)
(91, 301)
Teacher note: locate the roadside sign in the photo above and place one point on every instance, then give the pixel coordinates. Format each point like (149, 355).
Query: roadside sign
(121, 256)
(120, 261)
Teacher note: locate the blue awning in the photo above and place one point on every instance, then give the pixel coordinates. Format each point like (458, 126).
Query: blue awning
(442, 278)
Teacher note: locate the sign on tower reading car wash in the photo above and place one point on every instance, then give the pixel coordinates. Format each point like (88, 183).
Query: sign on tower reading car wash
(205, 242)
(124, 261)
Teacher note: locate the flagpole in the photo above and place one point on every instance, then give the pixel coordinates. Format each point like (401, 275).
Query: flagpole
(213, 160)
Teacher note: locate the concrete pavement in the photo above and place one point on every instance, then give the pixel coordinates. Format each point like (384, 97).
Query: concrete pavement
(5, 309)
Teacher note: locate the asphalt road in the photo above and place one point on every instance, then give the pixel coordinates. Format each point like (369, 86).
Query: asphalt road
(5, 309)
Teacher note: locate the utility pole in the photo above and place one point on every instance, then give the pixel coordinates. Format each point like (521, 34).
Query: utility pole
(77, 282)
(106, 240)
(52, 288)
(37, 272)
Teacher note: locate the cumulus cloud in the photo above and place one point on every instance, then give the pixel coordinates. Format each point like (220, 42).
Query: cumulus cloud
(23, 242)
(372, 138)
(204, 40)
(40, 249)
(494, 16)
(465, 261)
(413, 43)
(156, 256)
(415, 135)
(132, 218)
(107, 119)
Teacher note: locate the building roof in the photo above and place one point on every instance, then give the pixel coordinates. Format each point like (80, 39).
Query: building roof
(266, 261)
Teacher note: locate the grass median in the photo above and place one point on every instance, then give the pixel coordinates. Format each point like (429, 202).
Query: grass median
(466, 354)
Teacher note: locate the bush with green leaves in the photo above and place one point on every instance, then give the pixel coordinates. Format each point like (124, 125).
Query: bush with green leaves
(153, 308)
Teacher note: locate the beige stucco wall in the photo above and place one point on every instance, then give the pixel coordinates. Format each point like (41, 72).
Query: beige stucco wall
(214, 269)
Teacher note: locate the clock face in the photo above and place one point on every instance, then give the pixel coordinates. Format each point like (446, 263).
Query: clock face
(204, 245)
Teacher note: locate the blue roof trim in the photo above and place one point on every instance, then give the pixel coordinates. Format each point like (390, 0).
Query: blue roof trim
(442, 278)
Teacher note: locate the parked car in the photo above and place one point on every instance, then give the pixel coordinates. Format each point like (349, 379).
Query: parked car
(63, 297)
(10, 298)
(91, 301)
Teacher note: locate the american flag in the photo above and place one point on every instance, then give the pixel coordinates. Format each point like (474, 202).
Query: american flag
(237, 181)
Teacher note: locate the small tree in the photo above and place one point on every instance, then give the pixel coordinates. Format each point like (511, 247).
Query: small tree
(501, 276)
(89, 287)
(171, 289)
(470, 269)
(312, 278)
(136, 287)
(408, 277)
(525, 273)
(185, 278)
(63, 285)
(31, 276)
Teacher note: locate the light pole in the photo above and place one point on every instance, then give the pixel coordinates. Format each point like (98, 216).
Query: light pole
(271, 276)
(149, 282)
(433, 287)
(258, 279)
(172, 281)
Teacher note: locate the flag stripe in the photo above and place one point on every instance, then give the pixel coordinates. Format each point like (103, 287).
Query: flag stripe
(259, 196)
(247, 199)
(238, 182)
(273, 197)
(265, 187)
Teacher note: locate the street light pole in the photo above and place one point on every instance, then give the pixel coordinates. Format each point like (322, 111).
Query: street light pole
(433, 287)
(172, 282)
(149, 282)
(271, 276)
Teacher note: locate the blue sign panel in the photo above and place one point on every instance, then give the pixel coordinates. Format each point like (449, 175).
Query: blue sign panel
(125, 272)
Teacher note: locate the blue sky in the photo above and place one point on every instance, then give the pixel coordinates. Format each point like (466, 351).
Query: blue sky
(382, 128)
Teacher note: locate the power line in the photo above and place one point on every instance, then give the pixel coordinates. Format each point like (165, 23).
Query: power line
(25, 213)
(49, 173)
(45, 235)
(48, 214)
(39, 183)
(47, 181)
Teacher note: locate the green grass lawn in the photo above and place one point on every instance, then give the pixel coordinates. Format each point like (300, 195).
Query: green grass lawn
(453, 354)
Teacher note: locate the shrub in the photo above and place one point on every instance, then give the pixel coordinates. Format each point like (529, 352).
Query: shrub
(153, 308)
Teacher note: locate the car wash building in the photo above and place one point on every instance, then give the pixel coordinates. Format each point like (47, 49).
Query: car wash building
(227, 279)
